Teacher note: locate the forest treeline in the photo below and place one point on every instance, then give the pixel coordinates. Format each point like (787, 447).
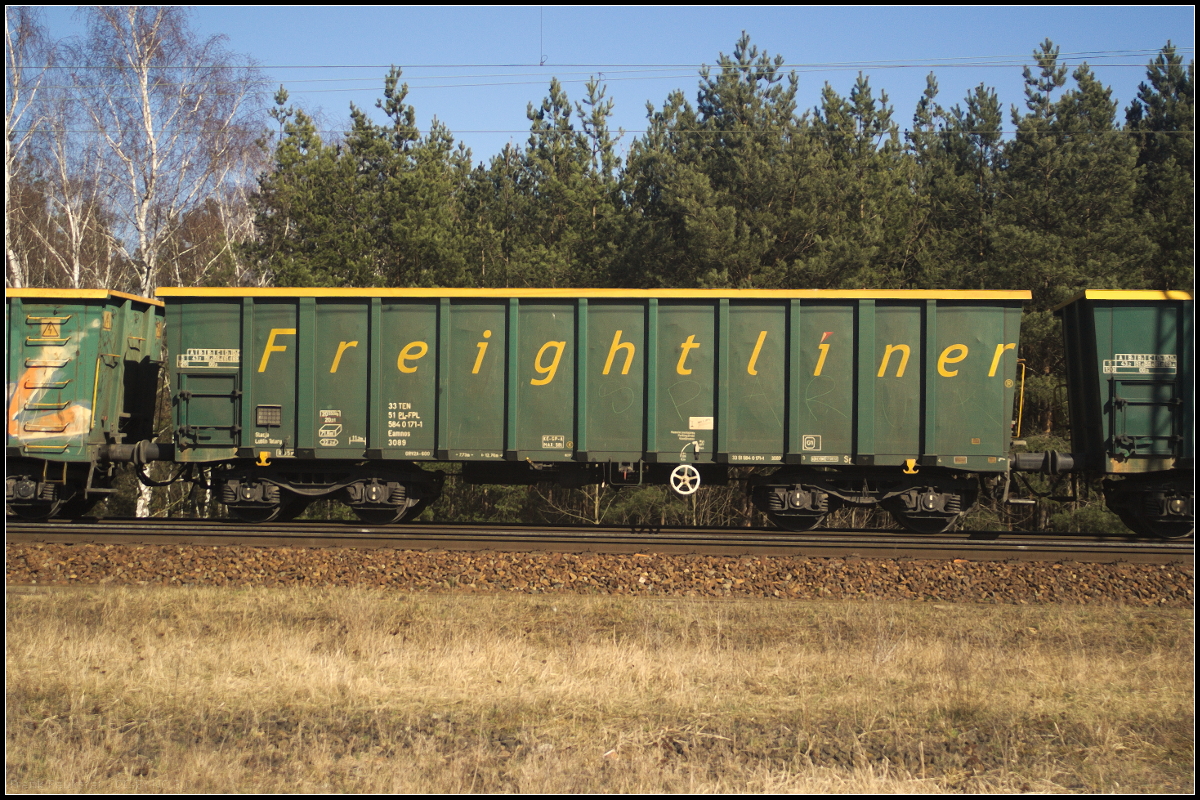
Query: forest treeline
(147, 173)
(742, 189)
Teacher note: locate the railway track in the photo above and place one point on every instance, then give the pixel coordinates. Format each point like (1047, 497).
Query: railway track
(974, 546)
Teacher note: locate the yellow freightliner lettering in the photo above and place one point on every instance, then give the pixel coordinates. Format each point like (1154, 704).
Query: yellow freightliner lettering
(482, 349)
(411, 352)
(337, 359)
(1000, 348)
(686, 346)
(550, 370)
(762, 337)
(617, 344)
(945, 358)
(272, 347)
(824, 348)
(887, 355)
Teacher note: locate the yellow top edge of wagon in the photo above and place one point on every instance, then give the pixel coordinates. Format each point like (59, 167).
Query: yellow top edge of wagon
(697, 294)
(77, 294)
(1142, 295)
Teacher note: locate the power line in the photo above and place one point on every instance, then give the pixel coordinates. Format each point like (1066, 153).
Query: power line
(413, 82)
(1023, 59)
(612, 73)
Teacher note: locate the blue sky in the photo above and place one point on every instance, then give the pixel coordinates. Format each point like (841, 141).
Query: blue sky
(476, 69)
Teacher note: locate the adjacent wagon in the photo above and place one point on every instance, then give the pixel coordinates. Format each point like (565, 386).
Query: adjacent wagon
(83, 369)
(1132, 398)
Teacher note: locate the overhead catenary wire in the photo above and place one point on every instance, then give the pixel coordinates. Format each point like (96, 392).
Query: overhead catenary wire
(1009, 60)
(618, 72)
(959, 62)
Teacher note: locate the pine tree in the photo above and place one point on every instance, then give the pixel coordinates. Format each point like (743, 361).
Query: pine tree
(864, 190)
(975, 144)
(1069, 188)
(384, 208)
(718, 193)
(297, 241)
(957, 157)
(1162, 118)
(548, 215)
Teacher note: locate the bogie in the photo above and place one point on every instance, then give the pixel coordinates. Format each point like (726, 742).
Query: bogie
(281, 491)
(1159, 506)
(927, 501)
(36, 490)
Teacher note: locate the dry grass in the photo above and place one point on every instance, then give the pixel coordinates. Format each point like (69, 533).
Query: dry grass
(344, 690)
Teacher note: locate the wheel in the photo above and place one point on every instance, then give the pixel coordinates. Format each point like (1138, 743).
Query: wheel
(78, 506)
(1170, 527)
(1160, 509)
(796, 522)
(1159, 527)
(1133, 523)
(415, 510)
(380, 516)
(256, 516)
(685, 480)
(293, 509)
(34, 513)
(925, 524)
(286, 511)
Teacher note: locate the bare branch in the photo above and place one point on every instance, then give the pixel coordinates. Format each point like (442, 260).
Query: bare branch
(27, 54)
(179, 122)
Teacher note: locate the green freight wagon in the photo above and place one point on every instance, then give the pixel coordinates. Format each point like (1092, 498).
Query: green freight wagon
(1132, 401)
(83, 368)
(896, 397)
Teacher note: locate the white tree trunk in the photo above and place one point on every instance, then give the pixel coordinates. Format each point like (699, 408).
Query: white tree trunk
(26, 56)
(144, 495)
(177, 118)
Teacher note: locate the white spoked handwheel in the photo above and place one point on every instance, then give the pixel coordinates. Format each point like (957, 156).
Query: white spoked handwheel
(685, 479)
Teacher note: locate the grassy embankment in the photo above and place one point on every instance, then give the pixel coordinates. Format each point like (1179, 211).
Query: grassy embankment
(208, 690)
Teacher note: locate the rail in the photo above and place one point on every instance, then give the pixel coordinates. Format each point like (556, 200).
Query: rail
(974, 546)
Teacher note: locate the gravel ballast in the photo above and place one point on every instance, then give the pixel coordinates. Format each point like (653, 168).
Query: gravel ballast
(784, 577)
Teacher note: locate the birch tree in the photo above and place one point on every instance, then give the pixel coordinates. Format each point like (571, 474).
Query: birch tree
(27, 54)
(71, 233)
(178, 118)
